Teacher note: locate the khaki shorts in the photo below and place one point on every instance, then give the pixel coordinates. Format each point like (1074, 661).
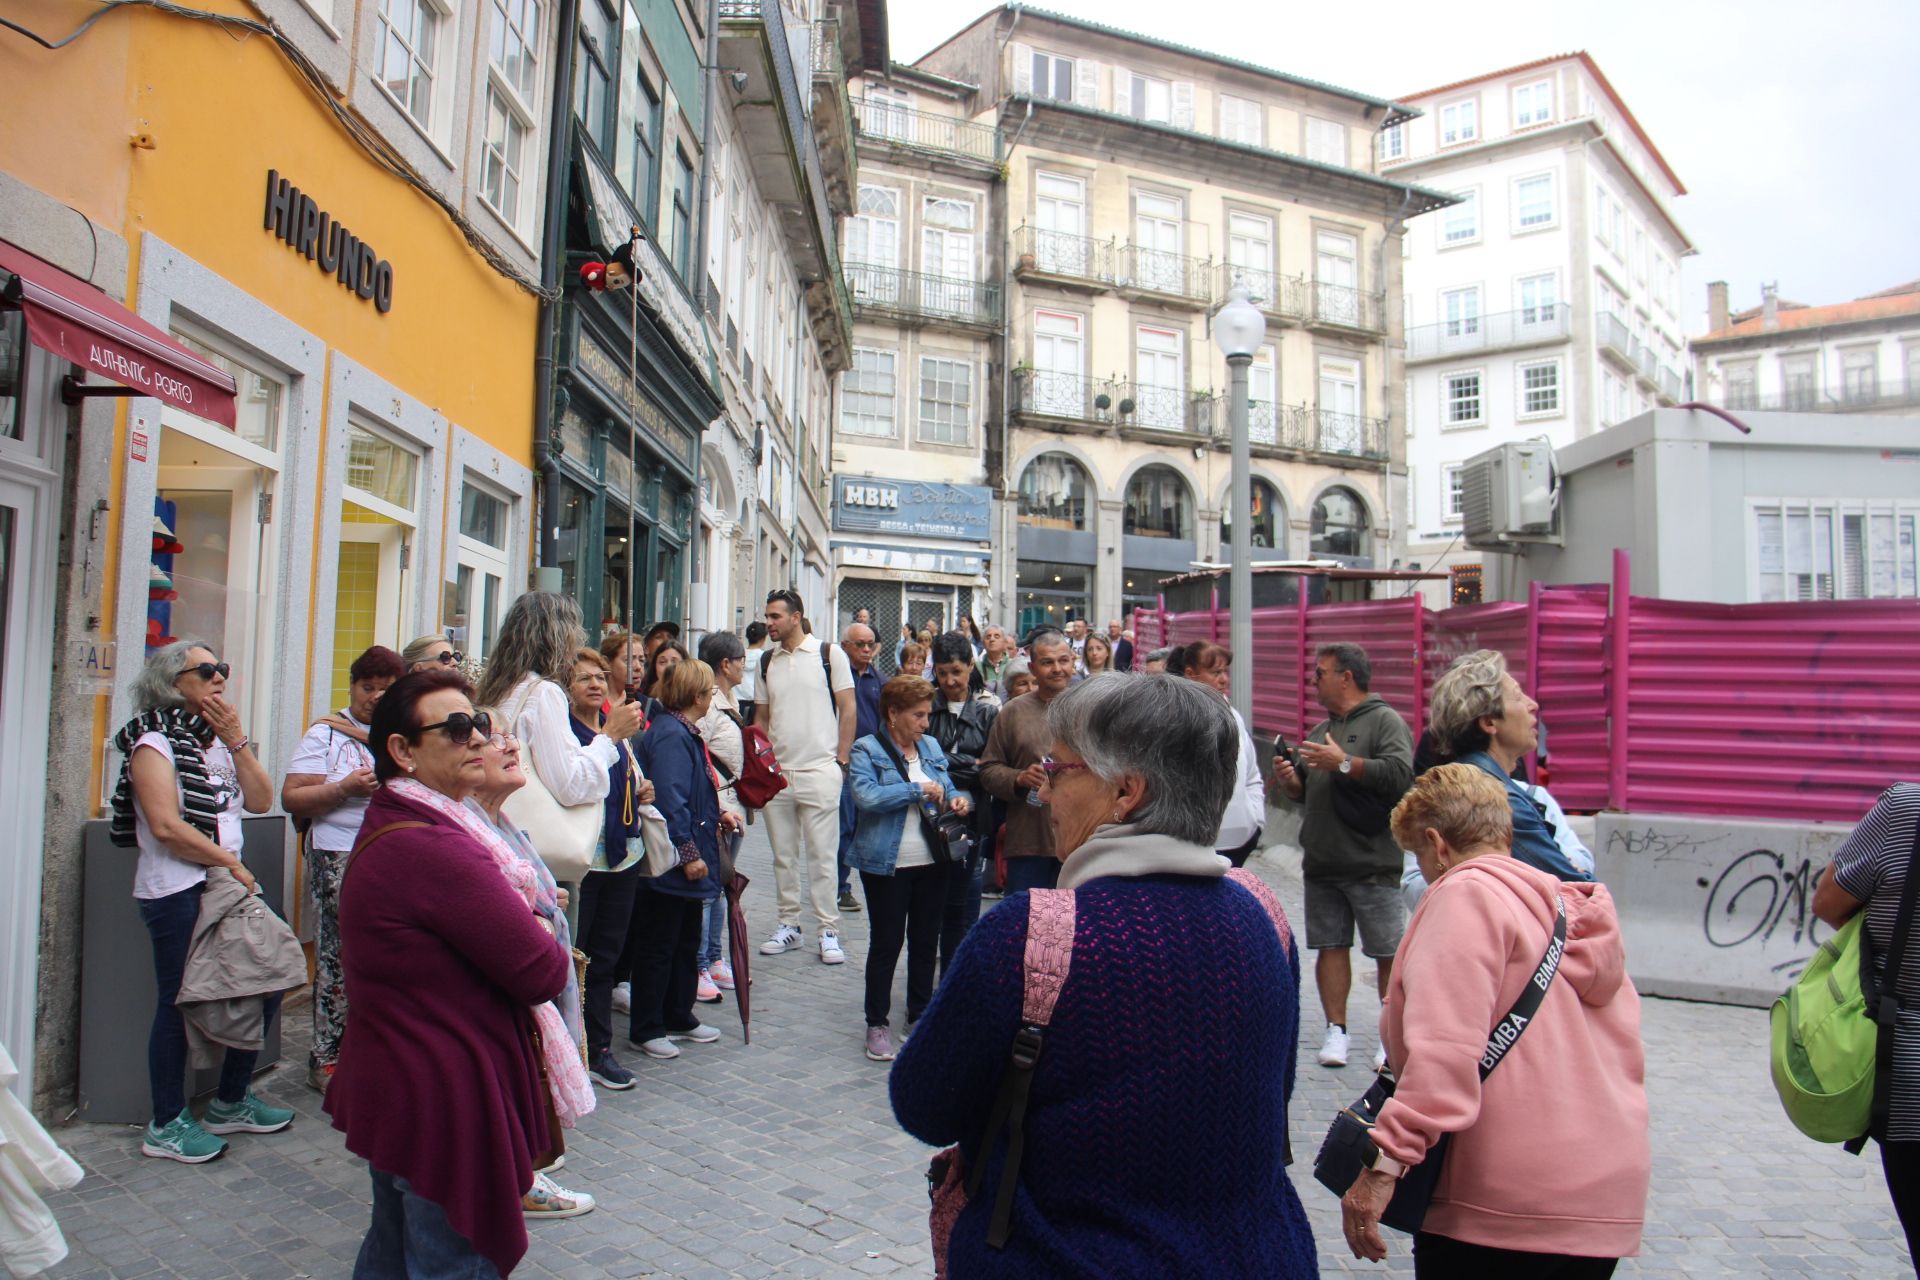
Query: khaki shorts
(1334, 906)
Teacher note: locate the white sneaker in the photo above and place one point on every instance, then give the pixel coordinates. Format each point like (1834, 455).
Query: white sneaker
(1333, 1050)
(701, 1034)
(785, 938)
(623, 997)
(830, 952)
(660, 1047)
(1380, 1059)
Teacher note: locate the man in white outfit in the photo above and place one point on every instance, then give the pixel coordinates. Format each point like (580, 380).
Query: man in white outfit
(806, 706)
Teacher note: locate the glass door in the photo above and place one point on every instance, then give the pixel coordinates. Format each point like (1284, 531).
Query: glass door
(1060, 220)
(1156, 245)
(1059, 355)
(1160, 390)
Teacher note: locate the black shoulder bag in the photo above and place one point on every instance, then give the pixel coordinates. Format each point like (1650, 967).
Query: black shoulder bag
(950, 836)
(1348, 1148)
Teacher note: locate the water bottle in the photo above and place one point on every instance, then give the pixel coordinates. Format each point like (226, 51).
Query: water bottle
(1033, 798)
(930, 807)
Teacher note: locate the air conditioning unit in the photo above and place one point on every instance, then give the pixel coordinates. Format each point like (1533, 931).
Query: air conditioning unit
(1510, 496)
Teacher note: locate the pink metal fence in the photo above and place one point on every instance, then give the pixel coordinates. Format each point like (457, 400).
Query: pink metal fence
(1800, 711)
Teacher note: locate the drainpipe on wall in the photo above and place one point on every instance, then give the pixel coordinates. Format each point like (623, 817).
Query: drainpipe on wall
(711, 92)
(1010, 530)
(553, 252)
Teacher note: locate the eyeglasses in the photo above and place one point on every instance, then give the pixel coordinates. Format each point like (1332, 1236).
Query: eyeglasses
(1319, 675)
(206, 670)
(1053, 766)
(502, 740)
(460, 727)
(448, 657)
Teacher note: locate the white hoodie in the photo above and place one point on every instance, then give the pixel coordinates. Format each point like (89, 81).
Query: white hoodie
(1246, 811)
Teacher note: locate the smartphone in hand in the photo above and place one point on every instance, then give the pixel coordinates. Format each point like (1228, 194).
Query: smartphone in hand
(1283, 750)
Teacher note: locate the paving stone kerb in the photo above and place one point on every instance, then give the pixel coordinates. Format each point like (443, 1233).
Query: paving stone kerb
(781, 1158)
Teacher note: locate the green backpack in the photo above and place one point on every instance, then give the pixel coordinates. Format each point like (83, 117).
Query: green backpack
(1832, 1032)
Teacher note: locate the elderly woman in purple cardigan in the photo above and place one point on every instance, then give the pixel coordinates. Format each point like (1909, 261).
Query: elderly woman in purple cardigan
(1156, 1114)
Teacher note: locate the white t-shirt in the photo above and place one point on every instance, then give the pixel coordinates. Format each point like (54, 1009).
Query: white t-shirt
(327, 752)
(803, 721)
(160, 872)
(913, 841)
(955, 708)
(1246, 810)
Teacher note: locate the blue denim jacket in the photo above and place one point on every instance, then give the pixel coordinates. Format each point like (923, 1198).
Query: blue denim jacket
(1533, 840)
(884, 801)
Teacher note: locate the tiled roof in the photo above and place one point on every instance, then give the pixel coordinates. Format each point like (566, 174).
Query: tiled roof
(1606, 87)
(1902, 300)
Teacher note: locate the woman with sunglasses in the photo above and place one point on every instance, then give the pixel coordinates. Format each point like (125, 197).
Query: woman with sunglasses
(429, 652)
(188, 776)
(329, 781)
(527, 873)
(442, 1085)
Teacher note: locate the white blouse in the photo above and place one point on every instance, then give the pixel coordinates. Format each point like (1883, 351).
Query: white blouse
(574, 774)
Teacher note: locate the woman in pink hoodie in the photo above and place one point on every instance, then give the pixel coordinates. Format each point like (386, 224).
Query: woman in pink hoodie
(1547, 1169)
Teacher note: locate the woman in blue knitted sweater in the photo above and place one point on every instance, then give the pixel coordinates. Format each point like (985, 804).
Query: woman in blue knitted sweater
(1155, 1130)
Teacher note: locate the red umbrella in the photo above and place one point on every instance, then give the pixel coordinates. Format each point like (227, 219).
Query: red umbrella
(739, 950)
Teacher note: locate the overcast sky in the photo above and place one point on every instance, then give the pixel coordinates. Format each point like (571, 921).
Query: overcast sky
(1787, 122)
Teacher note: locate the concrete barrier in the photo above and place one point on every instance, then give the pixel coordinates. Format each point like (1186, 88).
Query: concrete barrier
(1715, 909)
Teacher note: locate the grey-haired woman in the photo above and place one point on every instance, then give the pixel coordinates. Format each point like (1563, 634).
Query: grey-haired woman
(1139, 774)
(187, 777)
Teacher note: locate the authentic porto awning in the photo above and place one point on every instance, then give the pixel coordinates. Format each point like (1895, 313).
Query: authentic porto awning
(83, 326)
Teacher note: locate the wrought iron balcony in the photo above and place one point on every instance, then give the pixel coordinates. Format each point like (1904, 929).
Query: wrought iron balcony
(925, 131)
(1860, 396)
(1146, 407)
(1269, 425)
(1062, 256)
(1073, 397)
(917, 295)
(1344, 307)
(1165, 275)
(1273, 293)
(1526, 327)
(1331, 431)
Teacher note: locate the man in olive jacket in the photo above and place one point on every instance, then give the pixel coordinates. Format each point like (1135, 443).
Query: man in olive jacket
(1350, 772)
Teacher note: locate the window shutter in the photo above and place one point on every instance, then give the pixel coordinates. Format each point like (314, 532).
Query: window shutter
(1023, 68)
(1183, 104)
(1086, 83)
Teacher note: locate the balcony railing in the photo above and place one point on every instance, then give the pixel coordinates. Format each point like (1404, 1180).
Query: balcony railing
(1044, 393)
(1155, 408)
(1521, 328)
(1306, 430)
(1269, 290)
(1672, 387)
(1331, 431)
(917, 294)
(926, 131)
(1344, 306)
(1882, 396)
(1158, 271)
(1612, 334)
(1056, 253)
(746, 9)
(826, 49)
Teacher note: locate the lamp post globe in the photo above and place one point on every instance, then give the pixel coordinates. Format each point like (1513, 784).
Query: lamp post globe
(1240, 328)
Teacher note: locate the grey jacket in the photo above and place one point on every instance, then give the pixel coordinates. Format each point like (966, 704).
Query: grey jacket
(1375, 732)
(241, 951)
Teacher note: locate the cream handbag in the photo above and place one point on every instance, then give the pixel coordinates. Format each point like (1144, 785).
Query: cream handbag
(662, 857)
(565, 836)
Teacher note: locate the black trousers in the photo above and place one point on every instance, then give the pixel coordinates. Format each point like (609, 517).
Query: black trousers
(665, 963)
(906, 906)
(1444, 1258)
(606, 910)
(1901, 1161)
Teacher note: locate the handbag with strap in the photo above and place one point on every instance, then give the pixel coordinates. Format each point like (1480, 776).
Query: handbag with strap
(1048, 958)
(565, 836)
(1349, 1147)
(949, 836)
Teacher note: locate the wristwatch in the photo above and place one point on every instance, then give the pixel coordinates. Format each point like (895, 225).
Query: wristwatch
(1346, 764)
(1380, 1162)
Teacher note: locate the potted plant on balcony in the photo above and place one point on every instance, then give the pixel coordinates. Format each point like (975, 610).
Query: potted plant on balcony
(1027, 259)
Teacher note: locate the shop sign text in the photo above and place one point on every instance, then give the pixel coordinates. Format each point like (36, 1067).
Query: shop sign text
(293, 216)
(923, 508)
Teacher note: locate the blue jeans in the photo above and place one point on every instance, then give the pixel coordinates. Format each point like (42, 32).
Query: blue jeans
(411, 1239)
(1032, 873)
(170, 922)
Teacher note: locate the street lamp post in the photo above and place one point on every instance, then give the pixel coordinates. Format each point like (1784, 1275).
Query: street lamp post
(1239, 328)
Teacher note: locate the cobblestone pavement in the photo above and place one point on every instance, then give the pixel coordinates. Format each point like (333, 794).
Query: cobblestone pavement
(781, 1158)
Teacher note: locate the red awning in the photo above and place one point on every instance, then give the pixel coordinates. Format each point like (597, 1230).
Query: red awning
(83, 326)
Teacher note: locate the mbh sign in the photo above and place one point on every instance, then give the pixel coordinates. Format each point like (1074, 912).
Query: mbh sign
(920, 508)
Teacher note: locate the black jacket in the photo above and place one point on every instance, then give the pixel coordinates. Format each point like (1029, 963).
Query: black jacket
(963, 737)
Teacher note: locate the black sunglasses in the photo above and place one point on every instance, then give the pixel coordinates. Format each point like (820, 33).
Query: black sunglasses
(206, 670)
(447, 657)
(460, 727)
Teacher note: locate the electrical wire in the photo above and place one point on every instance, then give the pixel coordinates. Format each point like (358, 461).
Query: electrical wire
(363, 134)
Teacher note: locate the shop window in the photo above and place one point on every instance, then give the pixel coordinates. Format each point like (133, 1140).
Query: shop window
(1053, 594)
(1339, 526)
(13, 362)
(378, 524)
(381, 468)
(1267, 525)
(1159, 505)
(260, 398)
(1053, 493)
(1139, 589)
(474, 600)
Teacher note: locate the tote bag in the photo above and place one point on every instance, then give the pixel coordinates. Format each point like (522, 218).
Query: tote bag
(565, 836)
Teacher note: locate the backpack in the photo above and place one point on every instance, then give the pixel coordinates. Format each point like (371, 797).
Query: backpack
(1831, 1032)
(1044, 969)
(760, 778)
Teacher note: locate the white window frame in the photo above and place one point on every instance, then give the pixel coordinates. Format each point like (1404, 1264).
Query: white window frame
(436, 128)
(1452, 495)
(1055, 62)
(1520, 389)
(1332, 146)
(1393, 143)
(870, 222)
(1543, 311)
(1248, 123)
(1467, 323)
(1523, 227)
(1534, 113)
(518, 106)
(1460, 122)
(1145, 85)
(892, 431)
(1448, 422)
(485, 561)
(965, 406)
(1903, 524)
(1451, 236)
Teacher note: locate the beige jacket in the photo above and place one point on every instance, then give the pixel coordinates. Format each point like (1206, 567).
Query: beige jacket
(241, 951)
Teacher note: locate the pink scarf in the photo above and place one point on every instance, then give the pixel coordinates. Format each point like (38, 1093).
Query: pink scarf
(572, 1093)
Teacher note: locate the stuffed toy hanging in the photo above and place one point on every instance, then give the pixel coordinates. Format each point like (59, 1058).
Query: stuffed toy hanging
(613, 275)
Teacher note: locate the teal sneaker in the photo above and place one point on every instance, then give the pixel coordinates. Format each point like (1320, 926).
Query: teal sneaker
(182, 1139)
(249, 1115)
